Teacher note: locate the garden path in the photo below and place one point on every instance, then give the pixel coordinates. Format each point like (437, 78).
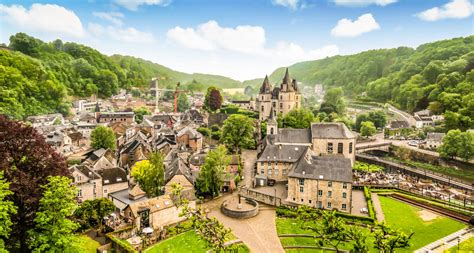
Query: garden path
(378, 208)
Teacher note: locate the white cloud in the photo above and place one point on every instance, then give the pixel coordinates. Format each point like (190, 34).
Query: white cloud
(291, 4)
(348, 28)
(113, 17)
(292, 53)
(364, 2)
(44, 18)
(134, 4)
(127, 34)
(211, 36)
(454, 9)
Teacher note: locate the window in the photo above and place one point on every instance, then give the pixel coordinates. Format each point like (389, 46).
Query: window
(340, 147)
(262, 171)
(329, 194)
(330, 184)
(320, 192)
(310, 201)
(344, 206)
(350, 148)
(330, 148)
(301, 189)
(261, 163)
(79, 193)
(344, 186)
(274, 104)
(344, 195)
(283, 172)
(105, 190)
(276, 172)
(301, 181)
(302, 200)
(294, 199)
(329, 205)
(320, 204)
(270, 172)
(263, 108)
(281, 105)
(281, 97)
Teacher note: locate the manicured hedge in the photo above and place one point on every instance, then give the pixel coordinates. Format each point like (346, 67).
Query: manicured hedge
(285, 212)
(126, 247)
(370, 204)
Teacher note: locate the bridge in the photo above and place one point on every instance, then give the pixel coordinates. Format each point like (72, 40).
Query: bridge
(419, 172)
(363, 147)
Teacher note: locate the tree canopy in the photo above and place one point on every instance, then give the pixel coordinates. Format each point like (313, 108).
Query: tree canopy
(457, 144)
(103, 137)
(210, 179)
(367, 129)
(298, 118)
(213, 100)
(150, 174)
(238, 132)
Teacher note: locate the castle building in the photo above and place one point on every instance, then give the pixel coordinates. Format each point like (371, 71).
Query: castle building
(280, 99)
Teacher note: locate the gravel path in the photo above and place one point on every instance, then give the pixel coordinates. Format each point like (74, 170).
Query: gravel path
(377, 207)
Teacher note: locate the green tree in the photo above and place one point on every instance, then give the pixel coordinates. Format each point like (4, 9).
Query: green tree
(238, 132)
(210, 180)
(367, 129)
(298, 118)
(183, 102)
(388, 239)
(92, 212)
(150, 174)
(378, 117)
(103, 137)
(213, 100)
(7, 208)
(466, 146)
(360, 118)
(450, 146)
(139, 113)
(54, 231)
(334, 101)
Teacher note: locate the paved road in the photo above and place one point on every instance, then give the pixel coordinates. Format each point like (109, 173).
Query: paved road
(378, 207)
(406, 116)
(258, 233)
(447, 242)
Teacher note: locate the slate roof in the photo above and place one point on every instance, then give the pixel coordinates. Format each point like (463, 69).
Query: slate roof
(198, 159)
(282, 153)
(328, 168)
(154, 205)
(113, 176)
(191, 132)
(331, 131)
(86, 170)
(396, 124)
(291, 135)
(117, 115)
(435, 136)
(178, 167)
(266, 87)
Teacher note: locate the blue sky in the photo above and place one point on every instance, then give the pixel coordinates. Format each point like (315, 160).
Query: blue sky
(241, 39)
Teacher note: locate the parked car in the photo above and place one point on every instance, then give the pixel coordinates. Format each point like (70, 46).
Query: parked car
(413, 143)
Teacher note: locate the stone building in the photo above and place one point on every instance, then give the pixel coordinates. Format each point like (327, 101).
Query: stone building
(110, 117)
(321, 182)
(280, 99)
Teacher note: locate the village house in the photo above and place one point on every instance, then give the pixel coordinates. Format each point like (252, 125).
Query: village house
(46, 120)
(100, 159)
(321, 182)
(60, 141)
(113, 180)
(87, 182)
(110, 117)
(136, 149)
(433, 141)
(85, 106)
(192, 115)
(397, 128)
(280, 99)
(244, 104)
(189, 138)
(425, 118)
(125, 197)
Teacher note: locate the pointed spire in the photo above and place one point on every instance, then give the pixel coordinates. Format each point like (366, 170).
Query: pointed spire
(287, 79)
(272, 118)
(266, 88)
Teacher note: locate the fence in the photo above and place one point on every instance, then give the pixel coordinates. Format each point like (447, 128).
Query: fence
(261, 197)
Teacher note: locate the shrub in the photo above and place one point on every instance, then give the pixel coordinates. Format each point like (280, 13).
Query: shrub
(204, 131)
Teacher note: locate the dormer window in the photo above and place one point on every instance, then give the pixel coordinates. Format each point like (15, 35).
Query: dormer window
(106, 181)
(119, 179)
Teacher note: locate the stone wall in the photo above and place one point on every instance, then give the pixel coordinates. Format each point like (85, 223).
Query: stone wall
(240, 214)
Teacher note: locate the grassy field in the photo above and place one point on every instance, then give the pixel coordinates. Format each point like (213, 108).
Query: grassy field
(185, 242)
(464, 247)
(85, 244)
(406, 217)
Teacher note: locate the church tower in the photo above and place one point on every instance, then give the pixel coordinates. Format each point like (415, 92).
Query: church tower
(272, 124)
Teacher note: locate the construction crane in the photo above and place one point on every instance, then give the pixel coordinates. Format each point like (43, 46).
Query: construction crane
(176, 93)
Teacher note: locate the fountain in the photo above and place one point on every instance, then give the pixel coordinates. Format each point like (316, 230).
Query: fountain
(239, 207)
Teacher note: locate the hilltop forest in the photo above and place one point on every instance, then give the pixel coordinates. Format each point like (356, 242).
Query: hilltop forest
(38, 77)
(437, 75)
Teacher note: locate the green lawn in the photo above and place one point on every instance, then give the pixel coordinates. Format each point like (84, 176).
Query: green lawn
(464, 247)
(404, 216)
(85, 244)
(185, 242)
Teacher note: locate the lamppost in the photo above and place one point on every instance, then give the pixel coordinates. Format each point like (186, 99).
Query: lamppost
(459, 240)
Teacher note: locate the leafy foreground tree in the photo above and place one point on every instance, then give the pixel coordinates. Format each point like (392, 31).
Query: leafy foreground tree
(150, 174)
(210, 180)
(91, 212)
(54, 231)
(213, 100)
(7, 209)
(26, 161)
(367, 129)
(208, 229)
(298, 118)
(238, 132)
(103, 137)
(388, 239)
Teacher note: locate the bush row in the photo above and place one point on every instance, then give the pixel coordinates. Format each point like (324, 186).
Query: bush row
(370, 203)
(285, 212)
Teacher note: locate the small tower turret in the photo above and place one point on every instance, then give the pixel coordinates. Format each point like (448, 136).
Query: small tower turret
(272, 124)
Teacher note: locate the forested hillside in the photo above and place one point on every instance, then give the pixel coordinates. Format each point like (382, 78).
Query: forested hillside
(38, 77)
(437, 75)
